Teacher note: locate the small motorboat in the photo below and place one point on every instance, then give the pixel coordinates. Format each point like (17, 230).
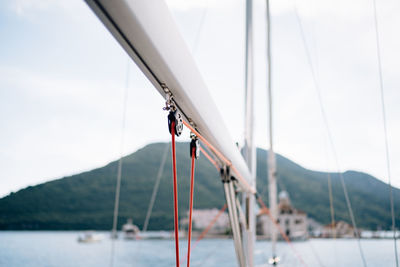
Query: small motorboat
(130, 230)
(90, 237)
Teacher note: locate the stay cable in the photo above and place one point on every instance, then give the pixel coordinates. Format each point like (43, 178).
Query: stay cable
(378, 53)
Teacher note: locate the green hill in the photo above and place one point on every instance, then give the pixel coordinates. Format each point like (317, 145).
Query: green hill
(85, 200)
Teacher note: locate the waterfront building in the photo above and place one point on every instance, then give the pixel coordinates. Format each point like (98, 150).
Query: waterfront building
(293, 222)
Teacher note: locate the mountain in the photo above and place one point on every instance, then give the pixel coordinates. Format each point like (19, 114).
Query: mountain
(85, 200)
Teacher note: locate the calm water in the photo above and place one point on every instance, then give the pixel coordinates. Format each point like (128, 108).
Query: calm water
(41, 249)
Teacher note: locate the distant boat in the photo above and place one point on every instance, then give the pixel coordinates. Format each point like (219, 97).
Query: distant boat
(90, 237)
(130, 230)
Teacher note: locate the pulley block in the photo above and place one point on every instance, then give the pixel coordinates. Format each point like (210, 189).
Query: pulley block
(175, 116)
(195, 144)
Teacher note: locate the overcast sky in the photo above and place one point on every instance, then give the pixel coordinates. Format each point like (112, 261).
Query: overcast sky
(63, 78)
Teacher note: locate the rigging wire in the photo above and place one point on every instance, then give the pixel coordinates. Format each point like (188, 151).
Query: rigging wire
(331, 207)
(378, 54)
(153, 196)
(269, 76)
(329, 133)
(222, 158)
(210, 225)
(155, 188)
(271, 153)
(332, 210)
(207, 229)
(273, 220)
(316, 69)
(314, 252)
(209, 255)
(243, 182)
(119, 171)
(210, 158)
(329, 176)
(271, 160)
(199, 30)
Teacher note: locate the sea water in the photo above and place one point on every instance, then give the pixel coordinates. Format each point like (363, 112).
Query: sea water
(42, 249)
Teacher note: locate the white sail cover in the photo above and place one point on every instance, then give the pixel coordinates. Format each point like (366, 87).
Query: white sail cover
(148, 33)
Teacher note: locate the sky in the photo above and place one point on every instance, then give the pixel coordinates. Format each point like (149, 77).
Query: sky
(64, 80)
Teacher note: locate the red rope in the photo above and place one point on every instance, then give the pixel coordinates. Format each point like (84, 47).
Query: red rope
(210, 225)
(176, 223)
(191, 205)
(244, 182)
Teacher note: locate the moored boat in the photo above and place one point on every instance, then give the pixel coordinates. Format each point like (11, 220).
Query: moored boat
(90, 237)
(130, 230)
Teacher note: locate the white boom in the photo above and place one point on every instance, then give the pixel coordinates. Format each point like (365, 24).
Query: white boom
(148, 33)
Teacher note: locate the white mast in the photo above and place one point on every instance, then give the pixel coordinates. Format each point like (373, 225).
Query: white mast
(249, 229)
(272, 188)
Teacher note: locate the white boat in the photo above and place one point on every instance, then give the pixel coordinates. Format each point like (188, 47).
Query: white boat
(90, 237)
(130, 230)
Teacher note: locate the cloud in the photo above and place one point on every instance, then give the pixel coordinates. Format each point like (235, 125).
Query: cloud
(22, 7)
(188, 5)
(70, 115)
(71, 125)
(30, 9)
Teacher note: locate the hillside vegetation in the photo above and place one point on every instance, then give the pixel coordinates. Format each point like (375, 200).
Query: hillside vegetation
(85, 200)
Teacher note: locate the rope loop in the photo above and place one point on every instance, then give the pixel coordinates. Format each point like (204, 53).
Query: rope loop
(175, 182)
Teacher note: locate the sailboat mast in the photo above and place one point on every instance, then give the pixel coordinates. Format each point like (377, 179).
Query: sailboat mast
(248, 200)
(272, 188)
